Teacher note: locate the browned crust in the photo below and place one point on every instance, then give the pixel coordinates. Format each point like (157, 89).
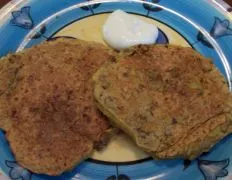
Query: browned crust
(171, 100)
(49, 115)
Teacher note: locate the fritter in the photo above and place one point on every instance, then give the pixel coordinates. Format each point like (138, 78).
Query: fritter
(47, 107)
(171, 100)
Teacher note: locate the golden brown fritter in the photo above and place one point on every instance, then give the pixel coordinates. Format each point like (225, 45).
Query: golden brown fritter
(8, 70)
(171, 100)
(47, 103)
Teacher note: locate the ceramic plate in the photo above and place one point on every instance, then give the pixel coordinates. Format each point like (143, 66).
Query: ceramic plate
(197, 24)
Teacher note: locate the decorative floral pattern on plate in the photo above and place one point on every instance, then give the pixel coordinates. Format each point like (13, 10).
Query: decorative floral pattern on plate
(186, 163)
(40, 32)
(57, 37)
(91, 7)
(220, 28)
(150, 7)
(213, 169)
(162, 38)
(119, 177)
(199, 169)
(17, 172)
(22, 18)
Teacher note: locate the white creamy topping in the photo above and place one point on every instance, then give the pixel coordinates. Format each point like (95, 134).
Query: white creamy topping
(122, 30)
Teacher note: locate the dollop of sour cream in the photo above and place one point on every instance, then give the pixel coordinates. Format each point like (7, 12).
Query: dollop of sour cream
(122, 30)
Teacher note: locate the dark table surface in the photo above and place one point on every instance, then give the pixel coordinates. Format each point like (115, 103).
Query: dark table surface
(229, 2)
(2, 2)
